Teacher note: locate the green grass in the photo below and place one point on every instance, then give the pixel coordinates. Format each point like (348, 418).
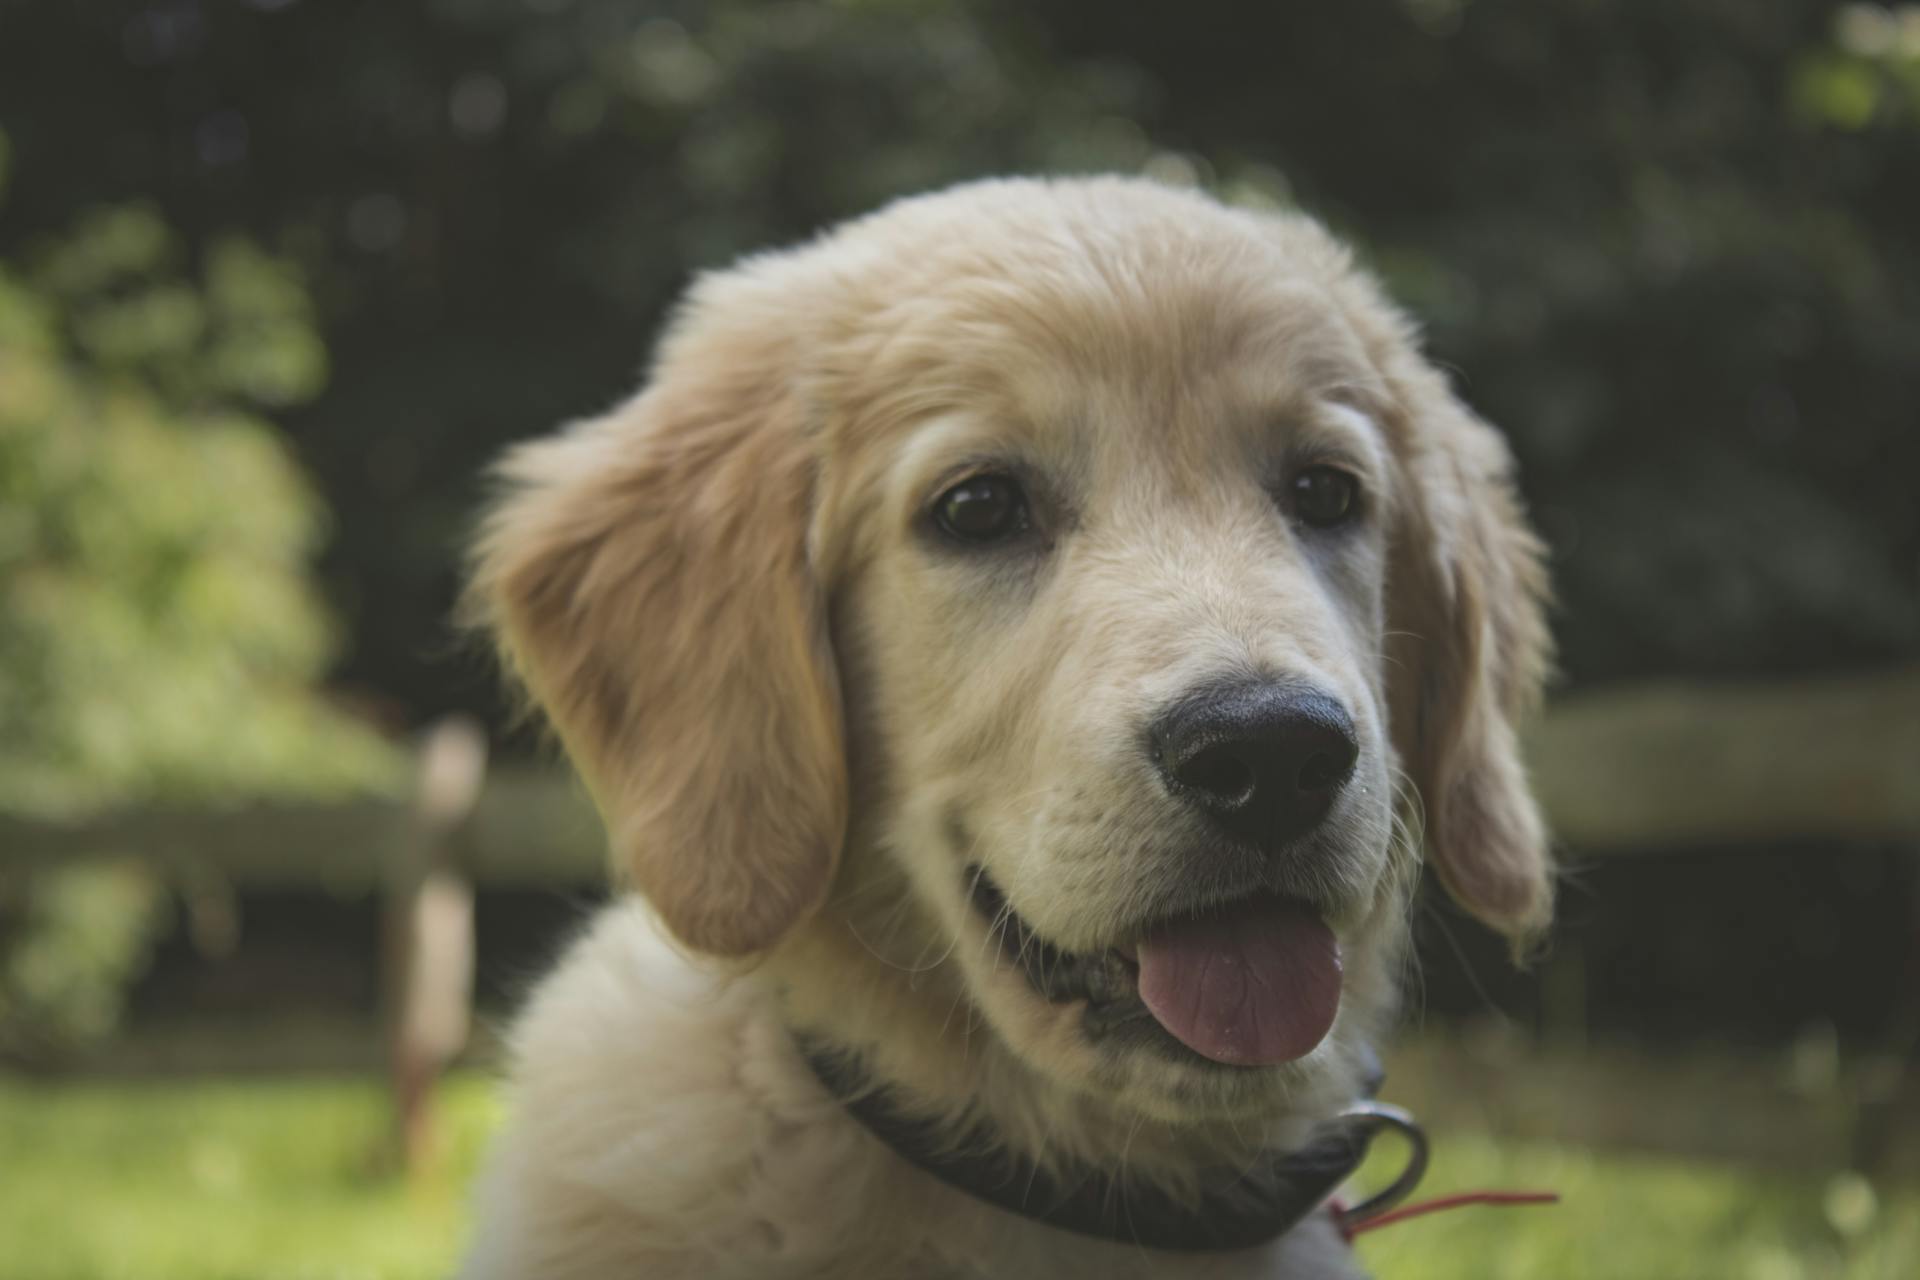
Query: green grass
(1627, 1217)
(253, 1180)
(281, 1180)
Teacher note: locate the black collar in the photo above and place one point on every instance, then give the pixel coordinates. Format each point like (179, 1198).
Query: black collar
(1238, 1208)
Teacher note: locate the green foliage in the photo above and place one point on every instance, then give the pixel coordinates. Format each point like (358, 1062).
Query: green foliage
(1670, 244)
(1868, 74)
(159, 634)
(243, 333)
(527, 187)
(77, 935)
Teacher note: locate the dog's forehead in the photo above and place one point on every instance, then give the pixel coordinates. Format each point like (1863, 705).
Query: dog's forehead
(1163, 339)
(1186, 349)
(1188, 405)
(1133, 390)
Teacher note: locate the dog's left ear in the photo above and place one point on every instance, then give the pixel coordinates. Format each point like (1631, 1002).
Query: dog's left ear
(1471, 647)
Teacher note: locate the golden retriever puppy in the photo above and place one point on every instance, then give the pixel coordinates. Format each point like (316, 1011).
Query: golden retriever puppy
(1021, 643)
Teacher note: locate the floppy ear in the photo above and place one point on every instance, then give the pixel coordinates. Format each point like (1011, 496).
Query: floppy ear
(647, 576)
(1471, 645)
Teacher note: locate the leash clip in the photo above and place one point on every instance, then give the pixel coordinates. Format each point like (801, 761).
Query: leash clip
(1367, 1120)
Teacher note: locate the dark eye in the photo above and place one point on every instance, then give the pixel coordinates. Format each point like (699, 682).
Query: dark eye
(982, 509)
(1324, 496)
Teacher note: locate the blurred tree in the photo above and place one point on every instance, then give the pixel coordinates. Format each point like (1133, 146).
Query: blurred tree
(159, 635)
(496, 200)
(1669, 240)
(159, 638)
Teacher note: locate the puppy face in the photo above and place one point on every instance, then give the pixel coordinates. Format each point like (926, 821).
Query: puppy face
(1122, 608)
(1073, 569)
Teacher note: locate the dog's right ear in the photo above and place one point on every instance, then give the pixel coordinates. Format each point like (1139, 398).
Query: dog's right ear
(647, 577)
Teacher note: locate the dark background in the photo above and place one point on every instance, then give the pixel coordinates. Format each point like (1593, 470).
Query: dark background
(1660, 262)
(1670, 247)
(278, 279)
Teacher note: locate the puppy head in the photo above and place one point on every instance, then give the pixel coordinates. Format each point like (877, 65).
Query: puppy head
(1149, 552)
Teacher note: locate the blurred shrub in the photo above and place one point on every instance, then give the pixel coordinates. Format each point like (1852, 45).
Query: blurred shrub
(495, 200)
(159, 634)
(160, 637)
(1670, 243)
(76, 937)
(1869, 73)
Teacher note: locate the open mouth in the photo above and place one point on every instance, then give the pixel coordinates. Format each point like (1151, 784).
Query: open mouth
(1253, 983)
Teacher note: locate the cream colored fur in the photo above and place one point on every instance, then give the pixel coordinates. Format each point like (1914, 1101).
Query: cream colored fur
(804, 718)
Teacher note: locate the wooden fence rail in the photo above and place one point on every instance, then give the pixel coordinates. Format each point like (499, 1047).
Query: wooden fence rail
(1619, 772)
(1671, 766)
(1649, 767)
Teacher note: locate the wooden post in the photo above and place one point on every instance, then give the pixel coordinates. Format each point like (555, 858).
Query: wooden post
(429, 932)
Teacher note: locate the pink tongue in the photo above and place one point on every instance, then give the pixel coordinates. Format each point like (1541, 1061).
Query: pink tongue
(1256, 984)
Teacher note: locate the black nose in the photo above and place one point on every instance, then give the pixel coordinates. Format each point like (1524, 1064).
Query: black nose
(1264, 761)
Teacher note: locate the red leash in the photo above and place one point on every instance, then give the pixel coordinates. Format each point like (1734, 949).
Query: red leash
(1348, 1230)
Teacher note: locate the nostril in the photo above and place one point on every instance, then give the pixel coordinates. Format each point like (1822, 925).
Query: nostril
(1221, 773)
(1322, 772)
